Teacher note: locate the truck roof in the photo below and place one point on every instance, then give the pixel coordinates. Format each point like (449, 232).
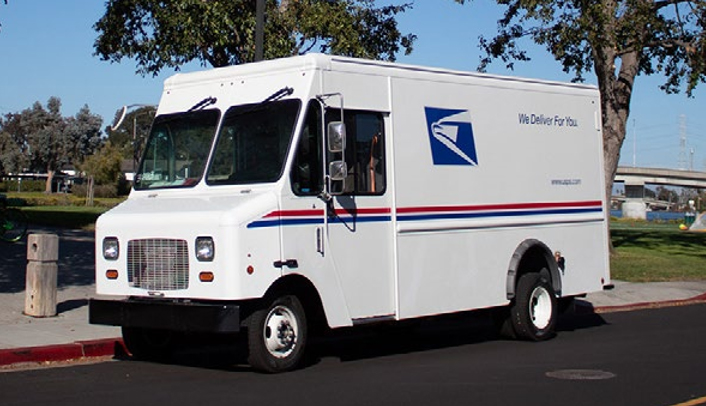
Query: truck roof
(317, 61)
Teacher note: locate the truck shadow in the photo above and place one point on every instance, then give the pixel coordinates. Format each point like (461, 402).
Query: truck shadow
(442, 332)
(229, 353)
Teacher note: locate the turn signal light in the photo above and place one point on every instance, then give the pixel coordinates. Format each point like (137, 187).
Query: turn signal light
(111, 274)
(206, 276)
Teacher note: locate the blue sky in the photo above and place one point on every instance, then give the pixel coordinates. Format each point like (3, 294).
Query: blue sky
(46, 48)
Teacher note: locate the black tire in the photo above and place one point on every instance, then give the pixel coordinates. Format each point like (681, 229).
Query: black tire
(533, 313)
(149, 344)
(14, 225)
(277, 335)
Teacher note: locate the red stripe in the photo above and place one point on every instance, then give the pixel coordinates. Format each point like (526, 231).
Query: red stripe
(437, 209)
(512, 206)
(295, 213)
(317, 212)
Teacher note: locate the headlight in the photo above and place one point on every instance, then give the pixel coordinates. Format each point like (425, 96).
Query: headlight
(205, 249)
(111, 248)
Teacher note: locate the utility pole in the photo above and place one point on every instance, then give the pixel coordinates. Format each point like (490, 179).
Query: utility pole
(682, 142)
(259, 30)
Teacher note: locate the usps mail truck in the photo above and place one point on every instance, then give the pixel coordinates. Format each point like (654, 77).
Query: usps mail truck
(322, 191)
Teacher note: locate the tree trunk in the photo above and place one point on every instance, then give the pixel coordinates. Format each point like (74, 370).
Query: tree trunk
(89, 191)
(616, 93)
(50, 179)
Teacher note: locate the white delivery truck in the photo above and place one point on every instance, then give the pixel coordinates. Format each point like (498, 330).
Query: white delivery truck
(321, 190)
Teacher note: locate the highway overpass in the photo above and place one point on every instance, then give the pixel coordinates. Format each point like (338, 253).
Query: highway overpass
(660, 176)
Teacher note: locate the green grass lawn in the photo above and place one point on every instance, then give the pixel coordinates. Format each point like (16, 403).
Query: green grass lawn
(650, 255)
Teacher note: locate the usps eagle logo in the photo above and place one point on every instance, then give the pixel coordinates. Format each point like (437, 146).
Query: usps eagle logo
(451, 137)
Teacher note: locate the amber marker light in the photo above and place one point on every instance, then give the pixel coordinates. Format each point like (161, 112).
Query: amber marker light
(111, 274)
(206, 276)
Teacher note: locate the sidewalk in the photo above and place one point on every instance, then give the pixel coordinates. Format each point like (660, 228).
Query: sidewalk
(25, 339)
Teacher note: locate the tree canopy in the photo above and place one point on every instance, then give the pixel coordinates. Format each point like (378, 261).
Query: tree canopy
(617, 40)
(162, 34)
(40, 139)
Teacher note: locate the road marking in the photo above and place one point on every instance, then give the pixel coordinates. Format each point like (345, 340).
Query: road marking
(693, 402)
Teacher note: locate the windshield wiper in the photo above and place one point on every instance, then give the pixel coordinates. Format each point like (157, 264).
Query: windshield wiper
(203, 104)
(285, 91)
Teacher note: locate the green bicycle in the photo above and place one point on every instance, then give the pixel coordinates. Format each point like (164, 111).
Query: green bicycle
(13, 223)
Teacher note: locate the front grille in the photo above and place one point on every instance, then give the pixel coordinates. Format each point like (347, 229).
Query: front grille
(158, 264)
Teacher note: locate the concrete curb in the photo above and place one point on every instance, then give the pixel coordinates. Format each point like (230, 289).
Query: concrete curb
(587, 308)
(63, 352)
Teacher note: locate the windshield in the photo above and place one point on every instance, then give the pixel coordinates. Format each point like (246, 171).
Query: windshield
(253, 143)
(177, 150)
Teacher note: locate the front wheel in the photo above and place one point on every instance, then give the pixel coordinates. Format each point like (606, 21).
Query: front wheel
(534, 310)
(277, 335)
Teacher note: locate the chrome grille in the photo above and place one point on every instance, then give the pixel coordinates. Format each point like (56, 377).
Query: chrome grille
(158, 264)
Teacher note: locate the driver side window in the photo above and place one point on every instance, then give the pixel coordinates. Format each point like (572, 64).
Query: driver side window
(307, 174)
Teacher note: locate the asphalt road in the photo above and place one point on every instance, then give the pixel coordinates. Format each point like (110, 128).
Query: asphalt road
(649, 357)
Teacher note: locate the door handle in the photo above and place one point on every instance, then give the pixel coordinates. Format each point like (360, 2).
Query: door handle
(320, 240)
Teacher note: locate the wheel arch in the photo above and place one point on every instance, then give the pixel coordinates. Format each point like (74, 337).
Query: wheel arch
(532, 255)
(308, 295)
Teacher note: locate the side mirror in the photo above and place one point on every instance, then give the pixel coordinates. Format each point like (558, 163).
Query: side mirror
(336, 136)
(338, 171)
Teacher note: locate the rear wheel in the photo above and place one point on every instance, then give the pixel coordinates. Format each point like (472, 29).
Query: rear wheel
(534, 310)
(277, 335)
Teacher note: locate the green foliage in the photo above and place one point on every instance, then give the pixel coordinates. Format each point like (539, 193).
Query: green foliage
(40, 199)
(40, 139)
(99, 191)
(104, 165)
(646, 36)
(167, 34)
(26, 185)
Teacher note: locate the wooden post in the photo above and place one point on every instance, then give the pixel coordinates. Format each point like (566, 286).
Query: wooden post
(42, 270)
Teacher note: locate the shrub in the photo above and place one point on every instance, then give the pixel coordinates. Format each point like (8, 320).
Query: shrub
(99, 191)
(26, 185)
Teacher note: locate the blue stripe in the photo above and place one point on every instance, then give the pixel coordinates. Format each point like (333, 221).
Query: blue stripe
(366, 219)
(285, 222)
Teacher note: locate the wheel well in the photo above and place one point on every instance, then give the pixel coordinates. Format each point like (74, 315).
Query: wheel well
(307, 294)
(532, 256)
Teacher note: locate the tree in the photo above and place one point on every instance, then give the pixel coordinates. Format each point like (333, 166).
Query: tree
(102, 168)
(44, 129)
(13, 148)
(83, 135)
(40, 139)
(617, 40)
(167, 34)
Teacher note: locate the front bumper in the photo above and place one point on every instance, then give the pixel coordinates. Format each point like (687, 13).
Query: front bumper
(166, 315)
